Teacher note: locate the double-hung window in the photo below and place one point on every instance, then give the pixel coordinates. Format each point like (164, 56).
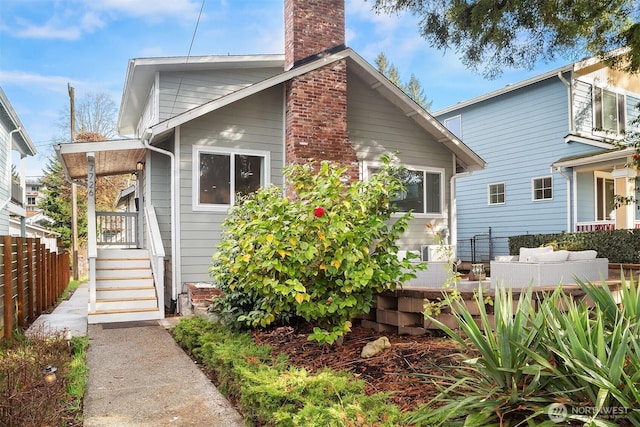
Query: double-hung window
(221, 175)
(543, 188)
(424, 190)
(496, 193)
(609, 111)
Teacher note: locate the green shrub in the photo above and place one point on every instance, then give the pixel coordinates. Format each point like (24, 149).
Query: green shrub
(271, 393)
(586, 361)
(619, 246)
(321, 255)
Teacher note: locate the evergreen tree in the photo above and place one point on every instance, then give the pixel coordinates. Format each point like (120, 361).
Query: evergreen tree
(491, 35)
(412, 88)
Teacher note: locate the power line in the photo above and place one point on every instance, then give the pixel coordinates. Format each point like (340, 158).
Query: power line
(193, 38)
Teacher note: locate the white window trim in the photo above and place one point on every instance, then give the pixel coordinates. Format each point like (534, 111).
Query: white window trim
(428, 169)
(195, 174)
(603, 133)
(504, 192)
(533, 189)
(459, 117)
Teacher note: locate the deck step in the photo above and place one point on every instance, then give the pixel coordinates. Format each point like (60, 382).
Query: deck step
(127, 304)
(124, 315)
(124, 282)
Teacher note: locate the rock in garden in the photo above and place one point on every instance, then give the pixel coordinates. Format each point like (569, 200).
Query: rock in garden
(375, 347)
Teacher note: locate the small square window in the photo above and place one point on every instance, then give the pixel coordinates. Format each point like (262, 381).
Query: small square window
(496, 194)
(543, 188)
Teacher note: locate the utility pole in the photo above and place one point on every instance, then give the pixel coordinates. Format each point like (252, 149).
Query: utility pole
(74, 190)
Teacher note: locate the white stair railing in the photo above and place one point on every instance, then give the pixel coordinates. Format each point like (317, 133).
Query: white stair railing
(156, 252)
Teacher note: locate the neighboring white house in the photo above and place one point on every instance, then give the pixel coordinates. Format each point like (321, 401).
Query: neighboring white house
(13, 139)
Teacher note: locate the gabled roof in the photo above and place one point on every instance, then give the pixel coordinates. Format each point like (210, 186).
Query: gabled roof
(506, 89)
(141, 74)
(601, 156)
(21, 140)
(468, 159)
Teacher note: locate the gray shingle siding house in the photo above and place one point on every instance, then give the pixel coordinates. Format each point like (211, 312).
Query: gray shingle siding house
(552, 164)
(200, 127)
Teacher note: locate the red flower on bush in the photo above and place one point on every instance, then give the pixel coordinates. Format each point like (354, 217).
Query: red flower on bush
(318, 212)
(635, 156)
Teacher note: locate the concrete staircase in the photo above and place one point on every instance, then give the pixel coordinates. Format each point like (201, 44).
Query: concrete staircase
(124, 287)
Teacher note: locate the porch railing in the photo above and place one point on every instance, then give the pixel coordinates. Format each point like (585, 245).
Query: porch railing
(156, 252)
(16, 193)
(596, 226)
(117, 228)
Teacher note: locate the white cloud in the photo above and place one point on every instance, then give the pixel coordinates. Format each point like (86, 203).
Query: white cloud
(48, 30)
(49, 83)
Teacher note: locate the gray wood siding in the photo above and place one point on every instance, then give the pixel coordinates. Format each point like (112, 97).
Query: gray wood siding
(182, 91)
(377, 127)
(161, 194)
(519, 134)
(255, 123)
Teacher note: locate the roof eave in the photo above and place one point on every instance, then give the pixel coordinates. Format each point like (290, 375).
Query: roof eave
(141, 75)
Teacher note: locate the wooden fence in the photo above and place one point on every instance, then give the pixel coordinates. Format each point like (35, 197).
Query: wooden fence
(32, 278)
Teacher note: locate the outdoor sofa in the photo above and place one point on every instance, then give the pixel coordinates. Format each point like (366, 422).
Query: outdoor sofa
(546, 267)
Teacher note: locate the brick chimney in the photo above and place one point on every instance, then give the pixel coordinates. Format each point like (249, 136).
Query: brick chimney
(316, 102)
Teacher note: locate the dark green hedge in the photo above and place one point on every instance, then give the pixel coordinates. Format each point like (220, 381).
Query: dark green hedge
(620, 246)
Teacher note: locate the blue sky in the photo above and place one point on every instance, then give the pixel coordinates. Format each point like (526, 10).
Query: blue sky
(45, 44)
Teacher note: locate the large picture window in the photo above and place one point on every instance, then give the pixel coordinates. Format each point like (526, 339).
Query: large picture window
(423, 190)
(221, 176)
(609, 111)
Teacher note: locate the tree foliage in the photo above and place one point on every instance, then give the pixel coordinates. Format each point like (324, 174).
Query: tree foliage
(491, 35)
(322, 255)
(412, 88)
(95, 121)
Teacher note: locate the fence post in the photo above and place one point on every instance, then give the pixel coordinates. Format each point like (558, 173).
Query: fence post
(31, 268)
(20, 279)
(40, 277)
(8, 289)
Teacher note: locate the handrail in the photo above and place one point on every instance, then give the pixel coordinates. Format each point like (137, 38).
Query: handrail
(156, 251)
(117, 228)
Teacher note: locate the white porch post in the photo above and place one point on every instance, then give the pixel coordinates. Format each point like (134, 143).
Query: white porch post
(91, 229)
(625, 186)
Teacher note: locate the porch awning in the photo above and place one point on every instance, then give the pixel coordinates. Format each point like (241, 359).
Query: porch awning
(607, 156)
(111, 157)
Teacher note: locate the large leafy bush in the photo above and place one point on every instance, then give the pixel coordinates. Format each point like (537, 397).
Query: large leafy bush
(321, 255)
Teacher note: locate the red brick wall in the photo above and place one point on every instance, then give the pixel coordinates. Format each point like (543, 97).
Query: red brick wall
(311, 26)
(316, 118)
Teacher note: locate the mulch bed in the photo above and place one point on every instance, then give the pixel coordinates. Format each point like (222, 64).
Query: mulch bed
(392, 371)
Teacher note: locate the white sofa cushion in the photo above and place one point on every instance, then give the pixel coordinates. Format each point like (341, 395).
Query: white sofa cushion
(582, 255)
(527, 253)
(557, 256)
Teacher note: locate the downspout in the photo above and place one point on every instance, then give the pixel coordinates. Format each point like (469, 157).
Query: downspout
(6, 202)
(570, 90)
(146, 137)
(453, 227)
(569, 197)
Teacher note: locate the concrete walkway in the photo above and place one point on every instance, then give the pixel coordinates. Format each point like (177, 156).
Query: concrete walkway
(138, 375)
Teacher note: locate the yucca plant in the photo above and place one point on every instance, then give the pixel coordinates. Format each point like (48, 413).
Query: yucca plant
(594, 363)
(562, 353)
(500, 385)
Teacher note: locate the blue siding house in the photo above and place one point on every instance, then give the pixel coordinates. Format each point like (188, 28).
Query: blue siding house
(553, 162)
